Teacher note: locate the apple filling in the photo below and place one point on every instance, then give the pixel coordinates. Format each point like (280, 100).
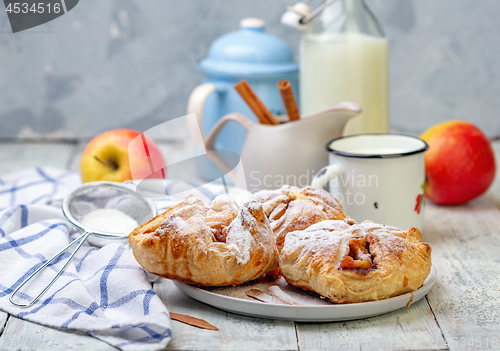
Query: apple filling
(359, 256)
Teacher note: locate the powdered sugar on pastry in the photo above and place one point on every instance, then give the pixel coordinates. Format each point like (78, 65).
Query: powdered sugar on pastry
(217, 246)
(290, 208)
(240, 233)
(220, 215)
(355, 262)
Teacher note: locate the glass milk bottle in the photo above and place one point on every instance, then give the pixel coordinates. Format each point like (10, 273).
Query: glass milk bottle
(344, 56)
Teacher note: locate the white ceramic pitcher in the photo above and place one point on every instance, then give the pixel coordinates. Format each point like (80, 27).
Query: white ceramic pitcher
(290, 153)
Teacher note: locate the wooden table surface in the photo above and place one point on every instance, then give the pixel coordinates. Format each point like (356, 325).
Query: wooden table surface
(461, 312)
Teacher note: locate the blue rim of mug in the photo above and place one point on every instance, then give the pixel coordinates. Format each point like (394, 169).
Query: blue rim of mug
(400, 154)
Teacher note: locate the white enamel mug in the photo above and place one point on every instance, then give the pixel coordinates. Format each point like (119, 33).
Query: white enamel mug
(379, 177)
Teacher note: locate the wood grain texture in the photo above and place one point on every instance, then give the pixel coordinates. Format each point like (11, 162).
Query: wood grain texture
(464, 302)
(3, 320)
(466, 297)
(235, 332)
(22, 335)
(19, 156)
(412, 328)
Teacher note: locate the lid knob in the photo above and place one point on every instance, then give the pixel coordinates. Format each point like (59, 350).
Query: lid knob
(252, 23)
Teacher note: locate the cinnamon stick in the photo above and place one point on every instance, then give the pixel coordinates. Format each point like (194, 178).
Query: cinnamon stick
(253, 101)
(289, 101)
(195, 322)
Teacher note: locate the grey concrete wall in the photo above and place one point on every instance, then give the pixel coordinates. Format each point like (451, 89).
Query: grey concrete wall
(131, 63)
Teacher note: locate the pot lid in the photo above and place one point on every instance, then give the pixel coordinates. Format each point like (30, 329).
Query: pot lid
(249, 50)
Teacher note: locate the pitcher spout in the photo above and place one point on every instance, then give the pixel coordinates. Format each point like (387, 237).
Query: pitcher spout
(335, 117)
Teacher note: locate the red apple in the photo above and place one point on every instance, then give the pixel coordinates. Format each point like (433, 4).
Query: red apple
(119, 155)
(460, 163)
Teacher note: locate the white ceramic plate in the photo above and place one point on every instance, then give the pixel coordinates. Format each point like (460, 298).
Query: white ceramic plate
(311, 313)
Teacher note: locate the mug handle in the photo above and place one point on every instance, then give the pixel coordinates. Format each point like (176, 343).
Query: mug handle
(242, 120)
(196, 105)
(326, 174)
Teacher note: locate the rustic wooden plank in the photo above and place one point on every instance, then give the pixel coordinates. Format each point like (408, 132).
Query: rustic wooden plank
(3, 320)
(235, 332)
(24, 335)
(466, 298)
(412, 328)
(18, 156)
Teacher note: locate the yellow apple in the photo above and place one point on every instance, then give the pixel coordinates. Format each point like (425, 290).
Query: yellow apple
(119, 155)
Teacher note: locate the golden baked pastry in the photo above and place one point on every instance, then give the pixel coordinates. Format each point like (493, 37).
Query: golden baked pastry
(290, 208)
(217, 246)
(347, 262)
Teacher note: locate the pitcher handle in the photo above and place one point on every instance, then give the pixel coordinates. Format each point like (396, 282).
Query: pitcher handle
(242, 120)
(196, 105)
(327, 173)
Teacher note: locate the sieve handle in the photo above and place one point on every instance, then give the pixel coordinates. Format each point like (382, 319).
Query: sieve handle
(78, 240)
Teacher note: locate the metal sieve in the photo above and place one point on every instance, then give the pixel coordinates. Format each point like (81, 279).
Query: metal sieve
(80, 202)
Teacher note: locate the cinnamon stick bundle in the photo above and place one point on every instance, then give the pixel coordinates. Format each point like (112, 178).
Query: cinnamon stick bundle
(255, 104)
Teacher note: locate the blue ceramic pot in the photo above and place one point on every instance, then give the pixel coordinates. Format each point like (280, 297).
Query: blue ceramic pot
(251, 54)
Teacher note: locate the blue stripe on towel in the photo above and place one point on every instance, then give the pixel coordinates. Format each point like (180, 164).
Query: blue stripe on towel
(104, 277)
(87, 294)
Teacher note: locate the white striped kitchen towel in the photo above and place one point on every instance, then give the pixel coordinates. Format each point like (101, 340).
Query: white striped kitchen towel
(103, 292)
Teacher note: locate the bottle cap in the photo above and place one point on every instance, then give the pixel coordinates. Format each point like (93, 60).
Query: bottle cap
(294, 14)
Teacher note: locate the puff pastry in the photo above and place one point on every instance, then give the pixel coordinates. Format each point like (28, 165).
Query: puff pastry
(348, 262)
(217, 246)
(290, 208)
